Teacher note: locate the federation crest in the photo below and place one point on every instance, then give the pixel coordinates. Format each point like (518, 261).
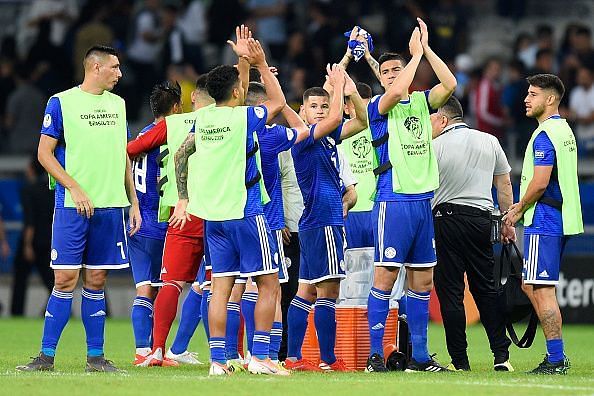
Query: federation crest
(54, 254)
(390, 252)
(413, 126)
(361, 147)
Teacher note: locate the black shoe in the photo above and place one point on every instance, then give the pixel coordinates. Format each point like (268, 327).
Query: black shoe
(430, 367)
(458, 367)
(40, 363)
(549, 368)
(375, 363)
(100, 364)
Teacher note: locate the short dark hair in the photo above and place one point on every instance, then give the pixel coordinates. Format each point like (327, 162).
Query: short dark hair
(543, 52)
(452, 109)
(201, 82)
(100, 50)
(315, 91)
(388, 56)
(255, 75)
(364, 90)
(547, 81)
(163, 97)
(256, 94)
(220, 82)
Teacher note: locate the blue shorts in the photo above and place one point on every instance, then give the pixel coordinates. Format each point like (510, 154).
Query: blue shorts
(96, 243)
(542, 259)
(241, 247)
(358, 227)
(322, 254)
(403, 234)
(145, 259)
(203, 276)
(277, 240)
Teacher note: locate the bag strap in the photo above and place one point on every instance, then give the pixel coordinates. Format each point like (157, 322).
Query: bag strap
(529, 334)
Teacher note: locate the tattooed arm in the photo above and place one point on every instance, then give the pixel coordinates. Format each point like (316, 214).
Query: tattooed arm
(373, 64)
(188, 147)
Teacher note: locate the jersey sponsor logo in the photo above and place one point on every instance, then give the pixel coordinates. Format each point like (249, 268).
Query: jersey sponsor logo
(538, 154)
(54, 254)
(438, 214)
(390, 252)
(413, 126)
(163, 270)
(361, 147)
(47, 120)
(290, 134)
(259, 112)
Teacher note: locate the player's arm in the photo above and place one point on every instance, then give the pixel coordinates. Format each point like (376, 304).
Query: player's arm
(505, 198)
(440, 93)
(373, 64)
(46, 157)
(296, 123)
(348, 57)
(349, 199)
(134, 213)
(155, 137)
(276, 98)
(188, 147)
(334, 119)
(399, 88)
(359, 123)
(535, 189)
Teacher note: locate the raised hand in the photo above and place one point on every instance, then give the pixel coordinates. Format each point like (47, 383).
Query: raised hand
(240, 46)
(414, 45)
(335, 75)
(256, 55)
(424, 33)
(350, 87)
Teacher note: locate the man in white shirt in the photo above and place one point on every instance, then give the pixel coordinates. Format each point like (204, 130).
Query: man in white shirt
(581, 106)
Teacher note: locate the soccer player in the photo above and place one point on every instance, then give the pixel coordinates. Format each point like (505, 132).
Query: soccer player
(321, 225)
(146, 247)
(228, 193)
(83, 148)
(183, 249)
(407, 176)
(550, 209)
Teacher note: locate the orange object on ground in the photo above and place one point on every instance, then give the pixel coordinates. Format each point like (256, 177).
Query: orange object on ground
(470, 309)
(352, 336)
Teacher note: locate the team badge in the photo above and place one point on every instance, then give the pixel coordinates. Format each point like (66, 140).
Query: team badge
(390, 252)
(288, 262)
(342, 267)
(259, 112)
(54, 254)
(47, 121)
(413, 126)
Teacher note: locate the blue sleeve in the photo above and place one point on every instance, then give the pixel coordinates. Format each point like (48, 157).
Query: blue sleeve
(279, 138)
(335, 134)
(431, 109)
(544, 151)
(307, 142)
(52, 119)
(373, 110)
(256, 118)
(128, 130)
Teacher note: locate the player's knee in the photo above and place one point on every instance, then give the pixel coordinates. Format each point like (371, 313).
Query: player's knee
(65, 280)
(307, 292)
(384, 277)
(146, 291)
(328, 289)
(95, 279)
(268, 285)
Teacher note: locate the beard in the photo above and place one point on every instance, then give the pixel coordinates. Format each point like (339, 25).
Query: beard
(537, 111)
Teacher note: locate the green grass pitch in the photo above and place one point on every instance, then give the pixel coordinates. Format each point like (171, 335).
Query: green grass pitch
(20, 339)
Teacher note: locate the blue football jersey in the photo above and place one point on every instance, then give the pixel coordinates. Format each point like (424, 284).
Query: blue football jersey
(378, 124)
(53, 126)
(256, 122)
(274, 140)
(146, 179)
(547, 220)
(317, 170)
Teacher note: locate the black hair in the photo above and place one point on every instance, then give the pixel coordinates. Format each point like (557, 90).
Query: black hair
(256, 93)
(364, 90)
(315, 91)
(221, 81)
(255, 74)
(543, 52)
(163, 97)
(452, 109)
(101, 50)
(547, 81)
(388, 56)
(201, 82)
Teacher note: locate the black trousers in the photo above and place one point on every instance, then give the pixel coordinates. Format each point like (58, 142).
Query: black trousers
(462, 242)
(289, 289)
(22, 270)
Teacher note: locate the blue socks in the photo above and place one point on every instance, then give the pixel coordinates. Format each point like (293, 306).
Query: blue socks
(297, 326)
(261, 345)
(418, 320)
(204, 311)
(232, 330)
(555, 350)
(93, 317)
(190, 318)
(57, 314)
(142, 321)
(248, 305)
(378, 307)
(276, 336)
(325, 321)
(217, 350)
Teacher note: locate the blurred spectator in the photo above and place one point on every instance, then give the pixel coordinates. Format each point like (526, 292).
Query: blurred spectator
(448, 28)
(525, 49)
(34, 248)
(514, 93)
(7, 85)
(4, 246)
(174, 46)
(545, 37)
(193, 24)
(227, 14)
(545, 62)
(24, 113)
(582, 45)
(270, 24)
(488, 107)
(581, 107)
(143, 53)
(58, 14)
(463, 66)
(185, 76)
(92, 31)
(424, 77)
(319, 30)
